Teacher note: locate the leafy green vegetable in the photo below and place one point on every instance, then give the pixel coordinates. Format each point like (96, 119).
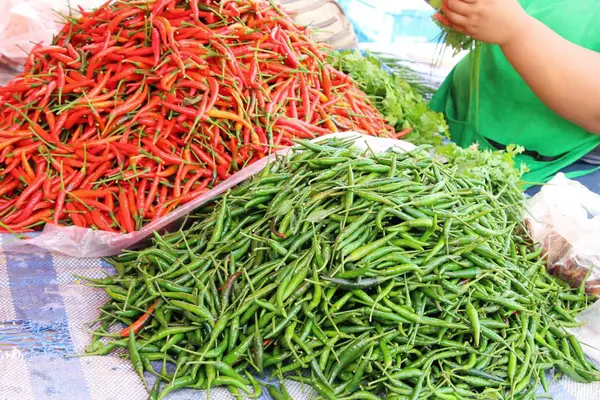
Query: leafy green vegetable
(402, 67)
(401, 105)
(404, 108)
(486, 165)
(455, 40)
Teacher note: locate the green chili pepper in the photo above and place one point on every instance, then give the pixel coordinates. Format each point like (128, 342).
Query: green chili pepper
(475, 324)
(390, 274)
(134, 357)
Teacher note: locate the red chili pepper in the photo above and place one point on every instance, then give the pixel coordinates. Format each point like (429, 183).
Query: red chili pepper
(72, 52)
(66, 60)
(326, 79)
(91, 203)
(8, 142)
(26, 212)
(130, 105)
(155, 46)
(202, 156)
(181, 174)
(195, 10)
(94, 194)
(99, 171)
(77, 219)
(58, 209)
(42, 205)
(35, 218)
(140, 198)
(190, 112)
(12, 166)
(125, 217)
(34, 186)
(101, 221)
(99, 87)
(140, 322)
(7, 187)
(127, 148)
(116, 20)
(214, 92)
(291, 57)
(48, 50)
(5, 152)
(15, 88)
(109, 203)
(403, 133)
(6, 204)
(164, 156)
(151, 195)
(131, 202)
(162, 196)
(276, 97)
(292, 110)
(60, 81)
(71, 87)
(127, 72)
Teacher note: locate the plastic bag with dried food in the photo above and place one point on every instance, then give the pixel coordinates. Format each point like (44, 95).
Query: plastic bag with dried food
(82, 242)
(564, 217)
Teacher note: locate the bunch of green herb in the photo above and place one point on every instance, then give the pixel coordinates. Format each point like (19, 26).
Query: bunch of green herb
(496, 167)
(457, 41)
(403, 107)
(405, 69)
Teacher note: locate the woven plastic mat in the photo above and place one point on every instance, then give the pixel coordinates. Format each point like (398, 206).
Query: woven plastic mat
(44, 310)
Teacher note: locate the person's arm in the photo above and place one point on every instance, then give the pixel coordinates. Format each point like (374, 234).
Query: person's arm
(563, 75)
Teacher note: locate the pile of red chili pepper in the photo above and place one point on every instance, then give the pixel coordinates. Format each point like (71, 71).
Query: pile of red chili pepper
(140, 106)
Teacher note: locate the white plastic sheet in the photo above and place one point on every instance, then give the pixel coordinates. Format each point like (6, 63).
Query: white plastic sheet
(81, 242)
(24, 23)
(589, 333)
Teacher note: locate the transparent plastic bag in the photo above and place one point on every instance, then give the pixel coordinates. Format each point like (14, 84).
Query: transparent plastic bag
(81, 242)
(589, 333)
(24, 23)
(6, 74)
(564, 217)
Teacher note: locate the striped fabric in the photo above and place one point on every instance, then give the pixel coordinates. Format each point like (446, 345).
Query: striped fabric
(44, 309)
(44, 312)
(326, 19)
(593, 157)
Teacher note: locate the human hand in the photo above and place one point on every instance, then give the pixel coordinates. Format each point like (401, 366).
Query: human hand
(491, 21)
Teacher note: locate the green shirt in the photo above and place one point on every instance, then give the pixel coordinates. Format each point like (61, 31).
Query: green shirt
(507, 111)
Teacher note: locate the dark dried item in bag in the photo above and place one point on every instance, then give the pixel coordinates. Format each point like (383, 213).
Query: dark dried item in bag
(564, 217)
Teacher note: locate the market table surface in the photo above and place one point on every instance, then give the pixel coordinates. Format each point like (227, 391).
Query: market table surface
(44, 309)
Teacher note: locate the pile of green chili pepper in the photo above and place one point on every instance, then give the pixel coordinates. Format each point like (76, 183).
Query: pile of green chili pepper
(390, 275)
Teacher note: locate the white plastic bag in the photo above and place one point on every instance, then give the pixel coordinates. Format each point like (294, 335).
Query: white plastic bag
(589, 333)
(6, 75)
(24, 23)
(81, 242)
(564, 217)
